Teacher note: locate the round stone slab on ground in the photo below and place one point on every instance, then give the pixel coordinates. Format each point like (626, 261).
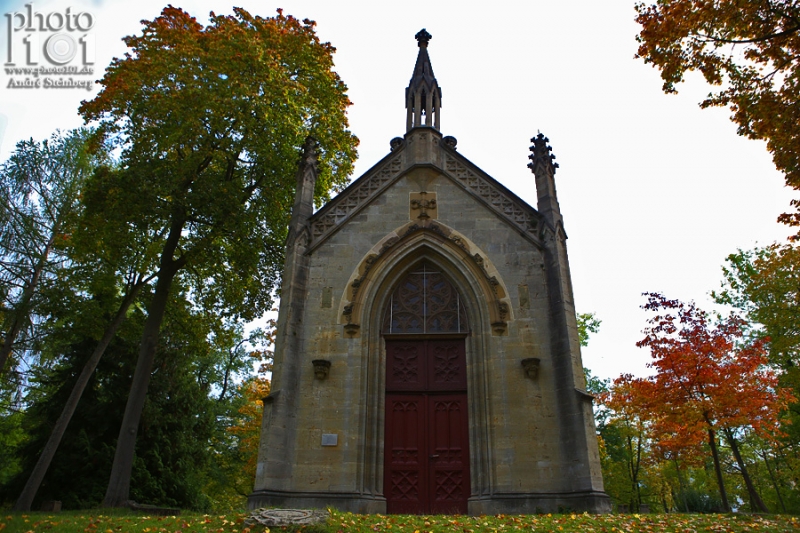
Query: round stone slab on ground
(286, 517)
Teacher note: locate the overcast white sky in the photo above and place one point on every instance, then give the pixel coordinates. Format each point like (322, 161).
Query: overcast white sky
(655, 192)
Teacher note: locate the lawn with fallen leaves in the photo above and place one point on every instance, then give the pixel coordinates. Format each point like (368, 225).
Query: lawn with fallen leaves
(114, 521)
(88, 522)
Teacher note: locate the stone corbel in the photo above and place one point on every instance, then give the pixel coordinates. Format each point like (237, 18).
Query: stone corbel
(531, 367)
(499, 328)
(322, 368)
(351, 329)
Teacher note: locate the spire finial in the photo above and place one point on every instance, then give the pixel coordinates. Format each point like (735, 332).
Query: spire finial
(423, 95)
(422, 38)
(544, 170)
(542, 154)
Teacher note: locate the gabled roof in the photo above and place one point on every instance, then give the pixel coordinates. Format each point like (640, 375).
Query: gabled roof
(486, 190)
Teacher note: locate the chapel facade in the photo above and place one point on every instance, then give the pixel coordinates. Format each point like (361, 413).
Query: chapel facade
(427, 358)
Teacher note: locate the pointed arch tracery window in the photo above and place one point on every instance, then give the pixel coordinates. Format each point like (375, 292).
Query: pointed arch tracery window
(425, 302)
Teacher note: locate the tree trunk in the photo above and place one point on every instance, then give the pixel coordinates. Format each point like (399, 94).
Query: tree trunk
(35, 480)
(20, 314)
(774, 481)
(712, 442)
(755, 500)
(681, 485)
(633, 466)
(120, 480)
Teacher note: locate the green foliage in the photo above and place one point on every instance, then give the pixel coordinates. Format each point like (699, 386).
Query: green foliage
(12, 436)
(587, 324)
(185, 414)
(696, 501)
(763, 284)
(651, 450)
(39, 195)
(211, 121)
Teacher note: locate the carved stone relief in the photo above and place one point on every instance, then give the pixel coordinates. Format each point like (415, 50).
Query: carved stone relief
(423, 206)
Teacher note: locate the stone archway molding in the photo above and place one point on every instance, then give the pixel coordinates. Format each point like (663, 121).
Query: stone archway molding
(473, 258)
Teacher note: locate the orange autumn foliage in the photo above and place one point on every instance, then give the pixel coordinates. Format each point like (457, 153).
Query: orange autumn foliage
(706, 377)
(749, 52)
(709, 381)
(248, 428)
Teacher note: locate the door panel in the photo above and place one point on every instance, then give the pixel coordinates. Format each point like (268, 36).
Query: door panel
(446, 365)
(426, 453)
(405, 366)
(447, 441)
(406, 485)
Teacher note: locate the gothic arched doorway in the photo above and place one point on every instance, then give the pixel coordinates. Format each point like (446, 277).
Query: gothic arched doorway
(426, 454)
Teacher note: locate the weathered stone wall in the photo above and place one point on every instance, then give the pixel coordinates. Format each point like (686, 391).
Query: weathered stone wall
(523, 432)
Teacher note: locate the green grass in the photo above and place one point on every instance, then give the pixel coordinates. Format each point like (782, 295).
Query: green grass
(567, 523)
(112, 521)
(120, 521)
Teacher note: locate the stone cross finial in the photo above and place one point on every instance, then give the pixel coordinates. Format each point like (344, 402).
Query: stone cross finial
(423, 37)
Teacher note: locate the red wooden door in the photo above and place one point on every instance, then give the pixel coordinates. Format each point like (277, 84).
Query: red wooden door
(426, 455)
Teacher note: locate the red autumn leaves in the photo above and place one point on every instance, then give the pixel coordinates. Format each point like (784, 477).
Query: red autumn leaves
(710, 380)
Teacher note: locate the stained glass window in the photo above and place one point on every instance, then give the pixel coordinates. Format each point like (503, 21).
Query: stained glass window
(425, 302)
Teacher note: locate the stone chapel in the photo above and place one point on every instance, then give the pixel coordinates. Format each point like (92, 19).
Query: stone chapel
(427, 358)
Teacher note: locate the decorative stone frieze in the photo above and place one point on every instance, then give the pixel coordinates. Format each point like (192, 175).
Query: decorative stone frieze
(349, 200)
(509, 208)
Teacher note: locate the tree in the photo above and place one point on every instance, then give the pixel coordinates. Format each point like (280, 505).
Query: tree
(70, 404)
(626, 428)
(237, 446)
(39, 188)
(186, 415)
(102, 264)
(764, 285)
(211, 121)
(707, 382)
(751, 50)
